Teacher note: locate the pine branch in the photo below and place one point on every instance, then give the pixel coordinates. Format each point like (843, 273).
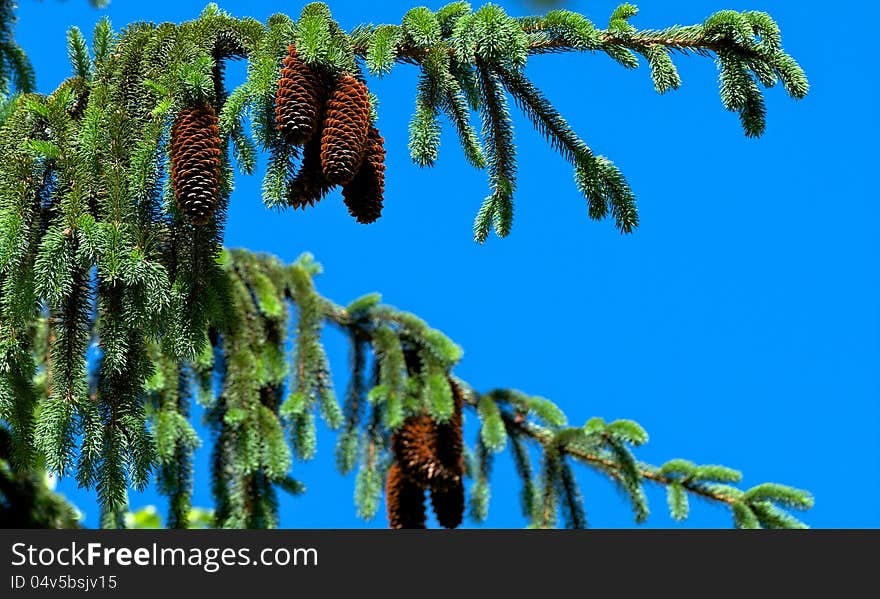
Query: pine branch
(705, 482)
(692, 39)
(646, 471)
(114, 196)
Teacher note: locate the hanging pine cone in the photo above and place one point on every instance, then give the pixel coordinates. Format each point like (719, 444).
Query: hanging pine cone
(346, 122)
(450, 441)
(429, 455)
(448, 504)
(195, 162)
(428, 452)
(298, 99)
(447, 493)
(415, 448)
(404, 499)
(309, 185)
(363, 195)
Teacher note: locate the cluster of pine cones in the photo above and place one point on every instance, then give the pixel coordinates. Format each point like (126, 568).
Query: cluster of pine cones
(428, 456)
(330, 118)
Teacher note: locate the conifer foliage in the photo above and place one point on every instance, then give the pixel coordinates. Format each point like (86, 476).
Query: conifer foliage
(16, 72)
(119, 307)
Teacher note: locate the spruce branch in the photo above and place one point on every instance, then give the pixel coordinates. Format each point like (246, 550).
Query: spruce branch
(124, 245)
(700, 482)
(747, 47)
(509, 414)
(497, 209)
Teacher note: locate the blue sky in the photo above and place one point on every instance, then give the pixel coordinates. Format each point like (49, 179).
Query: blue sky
(738, 325)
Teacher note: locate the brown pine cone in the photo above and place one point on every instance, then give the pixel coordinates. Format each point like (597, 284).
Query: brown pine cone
(298, 100)
(344, 135)
(430, 455)
(363, 195)
(309, 186)
(195, 162)
(448, 504)
(450, 442)
(414, 447)
(447, 494)
(404, 499)
(427, 452)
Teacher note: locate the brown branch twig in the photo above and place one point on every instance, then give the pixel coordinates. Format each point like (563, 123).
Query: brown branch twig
(638, 41)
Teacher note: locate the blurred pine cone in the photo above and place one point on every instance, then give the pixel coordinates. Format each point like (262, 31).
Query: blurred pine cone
(430, 455)
(447, 492)
(415, 448)
(346, 122)
(195, 162)
(450, 441)
(448, 504)
(363, 195)
(309, 186)
(404, 499)
(298, 99)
